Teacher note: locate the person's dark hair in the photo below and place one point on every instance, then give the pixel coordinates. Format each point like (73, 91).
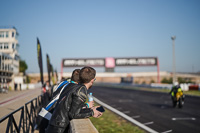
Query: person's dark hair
(87, 74)
(63, 79)
(75, 75)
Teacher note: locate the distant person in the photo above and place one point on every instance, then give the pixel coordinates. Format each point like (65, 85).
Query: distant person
(71, 102)
(15, 86)
(177, 96)
(174, 90)
(44, 89)
(20, 86)
(47, 87)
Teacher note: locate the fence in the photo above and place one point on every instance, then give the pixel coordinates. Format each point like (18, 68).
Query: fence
(27, 119)
(28, 114)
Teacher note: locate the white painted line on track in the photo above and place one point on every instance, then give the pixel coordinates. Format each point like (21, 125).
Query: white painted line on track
(126, 112)
(137, 116)
(148, 123)
(167, 131)
(125, 116)
(176, 119)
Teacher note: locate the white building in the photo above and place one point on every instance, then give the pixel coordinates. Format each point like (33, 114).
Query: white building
(6, 69)
(9, 45)
(9, 56)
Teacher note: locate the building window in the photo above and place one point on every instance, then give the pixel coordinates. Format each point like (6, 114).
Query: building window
(1, 45)
(13, 46)
(16, 57)
(6, 34)
(13, 34)
(6, 46)
(5, 66)
(0, 62)
(1, 34)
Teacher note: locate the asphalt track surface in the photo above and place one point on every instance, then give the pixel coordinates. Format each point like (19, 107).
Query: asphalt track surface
(154, 109)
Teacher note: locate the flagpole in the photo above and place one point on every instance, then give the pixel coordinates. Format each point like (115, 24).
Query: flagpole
(39, 54)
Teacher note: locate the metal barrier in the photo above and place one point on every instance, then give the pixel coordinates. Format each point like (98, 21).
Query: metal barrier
(27, 119)
(12, 121)
(28, 115)
(31, 114)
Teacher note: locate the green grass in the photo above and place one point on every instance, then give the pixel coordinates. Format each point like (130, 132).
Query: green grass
(109, 122)
(193, 92)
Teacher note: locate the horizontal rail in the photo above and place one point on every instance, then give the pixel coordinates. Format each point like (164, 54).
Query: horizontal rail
(30, 101)
(7, 116)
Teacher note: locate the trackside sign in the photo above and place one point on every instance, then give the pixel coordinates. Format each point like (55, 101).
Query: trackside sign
(148, 61)
(83, 62)
(110, 62)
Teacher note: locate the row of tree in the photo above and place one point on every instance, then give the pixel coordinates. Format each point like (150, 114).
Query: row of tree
(180, 80)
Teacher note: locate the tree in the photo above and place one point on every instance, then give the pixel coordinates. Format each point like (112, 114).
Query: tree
(152, 81)
(181, 80)
(164, 80)
(167, 81)
(22, 66)
(28, 79)
(184, 80)
(170, 80)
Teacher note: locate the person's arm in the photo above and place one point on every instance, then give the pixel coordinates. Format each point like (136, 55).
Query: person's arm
(78, 100)
(88, 105)
(84, 106)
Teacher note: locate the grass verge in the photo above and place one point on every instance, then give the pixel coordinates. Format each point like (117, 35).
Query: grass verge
(109, 122)
(193, 93)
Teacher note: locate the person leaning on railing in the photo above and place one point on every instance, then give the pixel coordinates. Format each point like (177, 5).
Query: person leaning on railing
(71, 102)
(45, 113)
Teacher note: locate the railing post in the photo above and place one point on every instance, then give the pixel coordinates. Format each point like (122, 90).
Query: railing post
(23, 120)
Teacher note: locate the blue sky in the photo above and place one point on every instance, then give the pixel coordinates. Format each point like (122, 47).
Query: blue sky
(107, 28)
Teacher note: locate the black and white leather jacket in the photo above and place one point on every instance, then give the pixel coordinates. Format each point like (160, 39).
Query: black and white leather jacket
(69, 106)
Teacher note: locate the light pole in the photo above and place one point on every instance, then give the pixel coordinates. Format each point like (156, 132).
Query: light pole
(174, 65)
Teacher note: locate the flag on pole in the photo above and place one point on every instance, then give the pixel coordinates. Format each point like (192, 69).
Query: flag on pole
(48, 69)
(56, 75)
(39, 54)
(52, 73)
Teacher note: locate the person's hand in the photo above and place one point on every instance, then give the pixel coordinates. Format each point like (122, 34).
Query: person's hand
(97, 114)
(91, 104)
